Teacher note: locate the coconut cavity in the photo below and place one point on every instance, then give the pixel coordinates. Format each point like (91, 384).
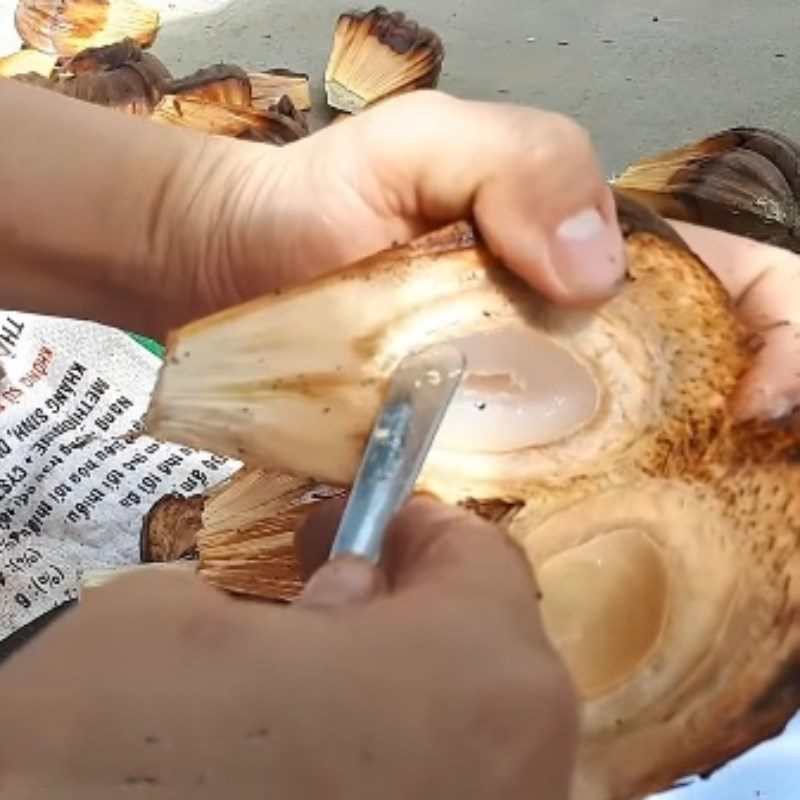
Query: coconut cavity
(604, 605)
(521, 389)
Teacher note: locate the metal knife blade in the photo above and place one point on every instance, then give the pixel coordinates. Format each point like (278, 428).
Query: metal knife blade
(419, 394)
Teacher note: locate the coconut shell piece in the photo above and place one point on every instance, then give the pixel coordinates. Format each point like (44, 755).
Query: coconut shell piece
(280, 125)
(169, 531)
(270, 86)
(66, 27)
(107, 58)
(378, 54)
(222, 83)
(289, 122)
(744, 181)
(26, 62)
(119, 76)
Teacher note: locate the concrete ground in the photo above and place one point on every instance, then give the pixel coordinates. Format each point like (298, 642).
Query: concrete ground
(641, 76)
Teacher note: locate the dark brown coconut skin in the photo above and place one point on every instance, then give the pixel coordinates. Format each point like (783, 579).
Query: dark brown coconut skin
(169, 530)
(118, 76)
(222, 83)
(744, 181)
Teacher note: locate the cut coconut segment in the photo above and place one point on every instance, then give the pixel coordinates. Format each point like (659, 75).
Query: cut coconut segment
(744, 181)
(666, 540)
(252, 496)
(66, 27)
(378, 54)
(25, 62)
(293, 381)
(280, 125)
(222, 83)
(675, 605)
(270, 86)
(246, 543)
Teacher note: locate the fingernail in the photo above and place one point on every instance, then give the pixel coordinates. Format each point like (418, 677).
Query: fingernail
(589, 255)
(342, 582)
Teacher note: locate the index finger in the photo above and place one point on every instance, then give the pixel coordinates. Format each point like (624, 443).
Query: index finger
(762, 280)
(764, 284)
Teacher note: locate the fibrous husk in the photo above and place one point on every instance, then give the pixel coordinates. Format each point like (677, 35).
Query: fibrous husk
(665, 538)
(222, 83)
(269, 87)
(119, 76)
(169, 531)
(743, 180)
(27, 62)
(280, 125)
(246, 541)
(378, 54)
(66, 27)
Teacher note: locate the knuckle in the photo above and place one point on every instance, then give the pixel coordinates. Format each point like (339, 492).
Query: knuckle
(539, 139)
(570, 133)
(558, 138)
(419, 102)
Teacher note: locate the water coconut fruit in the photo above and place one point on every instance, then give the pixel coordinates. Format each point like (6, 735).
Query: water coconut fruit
(666, 537)
(743, 180)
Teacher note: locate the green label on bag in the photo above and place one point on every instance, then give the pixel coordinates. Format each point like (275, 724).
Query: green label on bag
(154, 347)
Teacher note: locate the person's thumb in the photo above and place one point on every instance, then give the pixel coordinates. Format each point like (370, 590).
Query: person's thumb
(430, 547)
(338, 583)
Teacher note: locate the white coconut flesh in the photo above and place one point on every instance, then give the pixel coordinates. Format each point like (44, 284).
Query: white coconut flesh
(520, 390)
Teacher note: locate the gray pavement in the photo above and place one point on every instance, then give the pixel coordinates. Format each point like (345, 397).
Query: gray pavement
(641, 76)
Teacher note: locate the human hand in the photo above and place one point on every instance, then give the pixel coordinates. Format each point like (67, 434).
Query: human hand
(170, 224)
(259, 218)
(433, 681)
(357, 187)
(764, 284)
